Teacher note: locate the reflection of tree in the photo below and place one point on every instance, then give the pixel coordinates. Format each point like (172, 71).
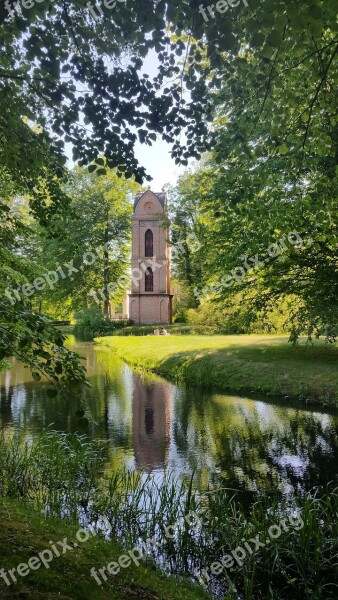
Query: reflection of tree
(25, 402)
(243, 443)
(250, 445)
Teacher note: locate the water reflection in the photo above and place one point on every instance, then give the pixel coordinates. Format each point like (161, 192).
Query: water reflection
(151, 405)
(152, 425)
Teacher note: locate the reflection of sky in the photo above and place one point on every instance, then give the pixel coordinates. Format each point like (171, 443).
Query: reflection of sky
(298, 464)
(238, 439)
(18, 404)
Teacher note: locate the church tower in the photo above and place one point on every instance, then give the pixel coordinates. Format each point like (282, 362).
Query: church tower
(150, 301)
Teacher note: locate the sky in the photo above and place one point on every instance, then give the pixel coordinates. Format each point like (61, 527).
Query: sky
(158, 163)
(156, 159)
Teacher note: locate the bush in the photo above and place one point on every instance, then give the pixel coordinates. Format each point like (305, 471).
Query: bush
(238, 318)
(5, 364)
(181, 316)
(91, 323)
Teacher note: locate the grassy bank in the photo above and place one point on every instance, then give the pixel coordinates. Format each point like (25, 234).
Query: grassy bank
(259, 364)
(25, 533)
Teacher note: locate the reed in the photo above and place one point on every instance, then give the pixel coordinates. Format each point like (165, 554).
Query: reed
(64, 475)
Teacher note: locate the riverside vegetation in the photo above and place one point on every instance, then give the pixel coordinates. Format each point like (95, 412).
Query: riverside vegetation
(248, 363)
(62, 476)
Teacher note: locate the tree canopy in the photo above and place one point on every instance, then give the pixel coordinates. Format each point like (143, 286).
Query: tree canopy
(253, 83)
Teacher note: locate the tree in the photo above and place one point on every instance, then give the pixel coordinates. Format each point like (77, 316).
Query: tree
(94, 242)
(189, 229)
(267, 77)
(80, 79)
(275, 162)
(25, 334)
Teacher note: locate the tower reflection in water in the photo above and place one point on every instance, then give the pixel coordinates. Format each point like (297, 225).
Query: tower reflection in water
(151, 405)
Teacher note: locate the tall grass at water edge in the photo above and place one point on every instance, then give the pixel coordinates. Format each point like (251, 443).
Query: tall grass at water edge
(65, 476)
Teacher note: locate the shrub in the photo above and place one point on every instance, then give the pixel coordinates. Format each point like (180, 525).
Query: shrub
(91, 322)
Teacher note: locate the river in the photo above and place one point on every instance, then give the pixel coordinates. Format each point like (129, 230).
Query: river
(155, 426)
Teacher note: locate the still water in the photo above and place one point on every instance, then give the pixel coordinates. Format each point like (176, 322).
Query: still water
(153, 425)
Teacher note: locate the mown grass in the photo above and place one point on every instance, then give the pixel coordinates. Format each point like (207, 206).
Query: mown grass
(300, 564)
(248, 363)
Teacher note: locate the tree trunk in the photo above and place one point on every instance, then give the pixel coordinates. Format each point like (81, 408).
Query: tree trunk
(106, 305)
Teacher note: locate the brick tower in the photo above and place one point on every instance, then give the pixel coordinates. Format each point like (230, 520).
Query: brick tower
(150, 301)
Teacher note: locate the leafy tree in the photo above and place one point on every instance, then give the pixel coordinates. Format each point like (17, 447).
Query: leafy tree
(92, 248)
(189, 230)
(275, 159)
(80, 79)
(25, 334)
(268, 79)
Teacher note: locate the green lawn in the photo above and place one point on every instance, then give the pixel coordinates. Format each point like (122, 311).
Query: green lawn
(248, 363)
(24, 534)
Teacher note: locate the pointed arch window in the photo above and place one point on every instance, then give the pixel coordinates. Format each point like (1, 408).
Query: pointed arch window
(149, 243)
(149, 277)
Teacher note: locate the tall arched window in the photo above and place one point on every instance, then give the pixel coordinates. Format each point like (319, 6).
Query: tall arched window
(149, 276)
(149, 243)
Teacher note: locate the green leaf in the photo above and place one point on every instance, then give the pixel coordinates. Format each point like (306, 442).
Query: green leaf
(268, 51)
(58, 368)
(315, 12)
(274, 39)
(283, 149)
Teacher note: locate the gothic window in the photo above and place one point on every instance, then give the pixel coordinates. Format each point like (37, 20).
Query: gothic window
(149, 280)
(149, 243)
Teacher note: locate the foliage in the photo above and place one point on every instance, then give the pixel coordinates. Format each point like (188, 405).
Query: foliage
(80, 79)
(189, 231)
(91, 322)
(267, 79)
(273, 167)
(4, 365)
(26, 334)
(239, 317)
(134, 502)
(93, 237)
(32, 339)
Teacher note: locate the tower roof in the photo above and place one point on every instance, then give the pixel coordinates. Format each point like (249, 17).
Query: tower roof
(161, 196)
